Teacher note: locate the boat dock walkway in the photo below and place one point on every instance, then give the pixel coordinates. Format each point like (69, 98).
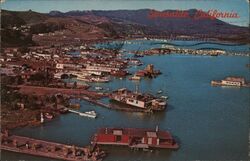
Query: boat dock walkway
(48, 149)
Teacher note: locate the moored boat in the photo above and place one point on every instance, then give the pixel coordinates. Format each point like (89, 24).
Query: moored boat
(91, 114)
(159, 92)
(138, 100)
(48, 116)
(135, 138)
(135, 77)
(98, 88)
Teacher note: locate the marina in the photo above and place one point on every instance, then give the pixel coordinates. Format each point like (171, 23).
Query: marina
(180, 111)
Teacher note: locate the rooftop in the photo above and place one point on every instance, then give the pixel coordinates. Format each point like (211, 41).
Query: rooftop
(134, 132)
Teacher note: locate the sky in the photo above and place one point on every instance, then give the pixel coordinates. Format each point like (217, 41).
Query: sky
(239, 6)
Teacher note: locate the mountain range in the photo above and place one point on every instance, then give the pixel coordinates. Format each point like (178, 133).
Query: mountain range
(97, 24)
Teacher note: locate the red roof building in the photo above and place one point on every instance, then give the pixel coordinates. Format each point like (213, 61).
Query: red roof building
(135, 138)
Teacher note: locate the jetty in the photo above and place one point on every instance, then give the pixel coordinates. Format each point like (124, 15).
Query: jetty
(49, 149)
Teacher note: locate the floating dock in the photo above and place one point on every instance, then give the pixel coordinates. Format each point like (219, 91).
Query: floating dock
(48, 149)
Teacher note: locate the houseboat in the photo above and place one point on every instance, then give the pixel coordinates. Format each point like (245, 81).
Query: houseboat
(138, 100)
(135, 138)
(231, 81)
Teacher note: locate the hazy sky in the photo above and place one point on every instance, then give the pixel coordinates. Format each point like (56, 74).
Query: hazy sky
(239, 6)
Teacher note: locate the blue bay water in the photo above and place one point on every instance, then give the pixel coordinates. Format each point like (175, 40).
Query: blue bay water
(210, 123)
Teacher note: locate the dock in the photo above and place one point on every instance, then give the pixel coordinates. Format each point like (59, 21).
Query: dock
(49, 149)
(109, 106)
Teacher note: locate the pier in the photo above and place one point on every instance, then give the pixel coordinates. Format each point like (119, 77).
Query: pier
(109, 106)
(49, 149)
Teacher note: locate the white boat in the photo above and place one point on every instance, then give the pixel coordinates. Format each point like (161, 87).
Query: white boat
(135, 78)
(159, 92)
(57, 75)
(98, 88)
(91, 114)
(164, 97)
(100, 79)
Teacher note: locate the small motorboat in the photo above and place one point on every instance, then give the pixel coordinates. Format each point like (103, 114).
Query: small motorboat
(48, 116)
(98, 88)
(164, 97)
(159, 92)
(91, 114)
(135, 77)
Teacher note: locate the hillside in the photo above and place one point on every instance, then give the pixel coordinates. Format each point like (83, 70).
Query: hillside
(27, 28)
(179, 26)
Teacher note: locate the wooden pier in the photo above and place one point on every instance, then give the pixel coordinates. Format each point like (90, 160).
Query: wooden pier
(48, 149)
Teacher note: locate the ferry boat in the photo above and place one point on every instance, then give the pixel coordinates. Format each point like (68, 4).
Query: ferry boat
(138, 100)
(135, 138)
